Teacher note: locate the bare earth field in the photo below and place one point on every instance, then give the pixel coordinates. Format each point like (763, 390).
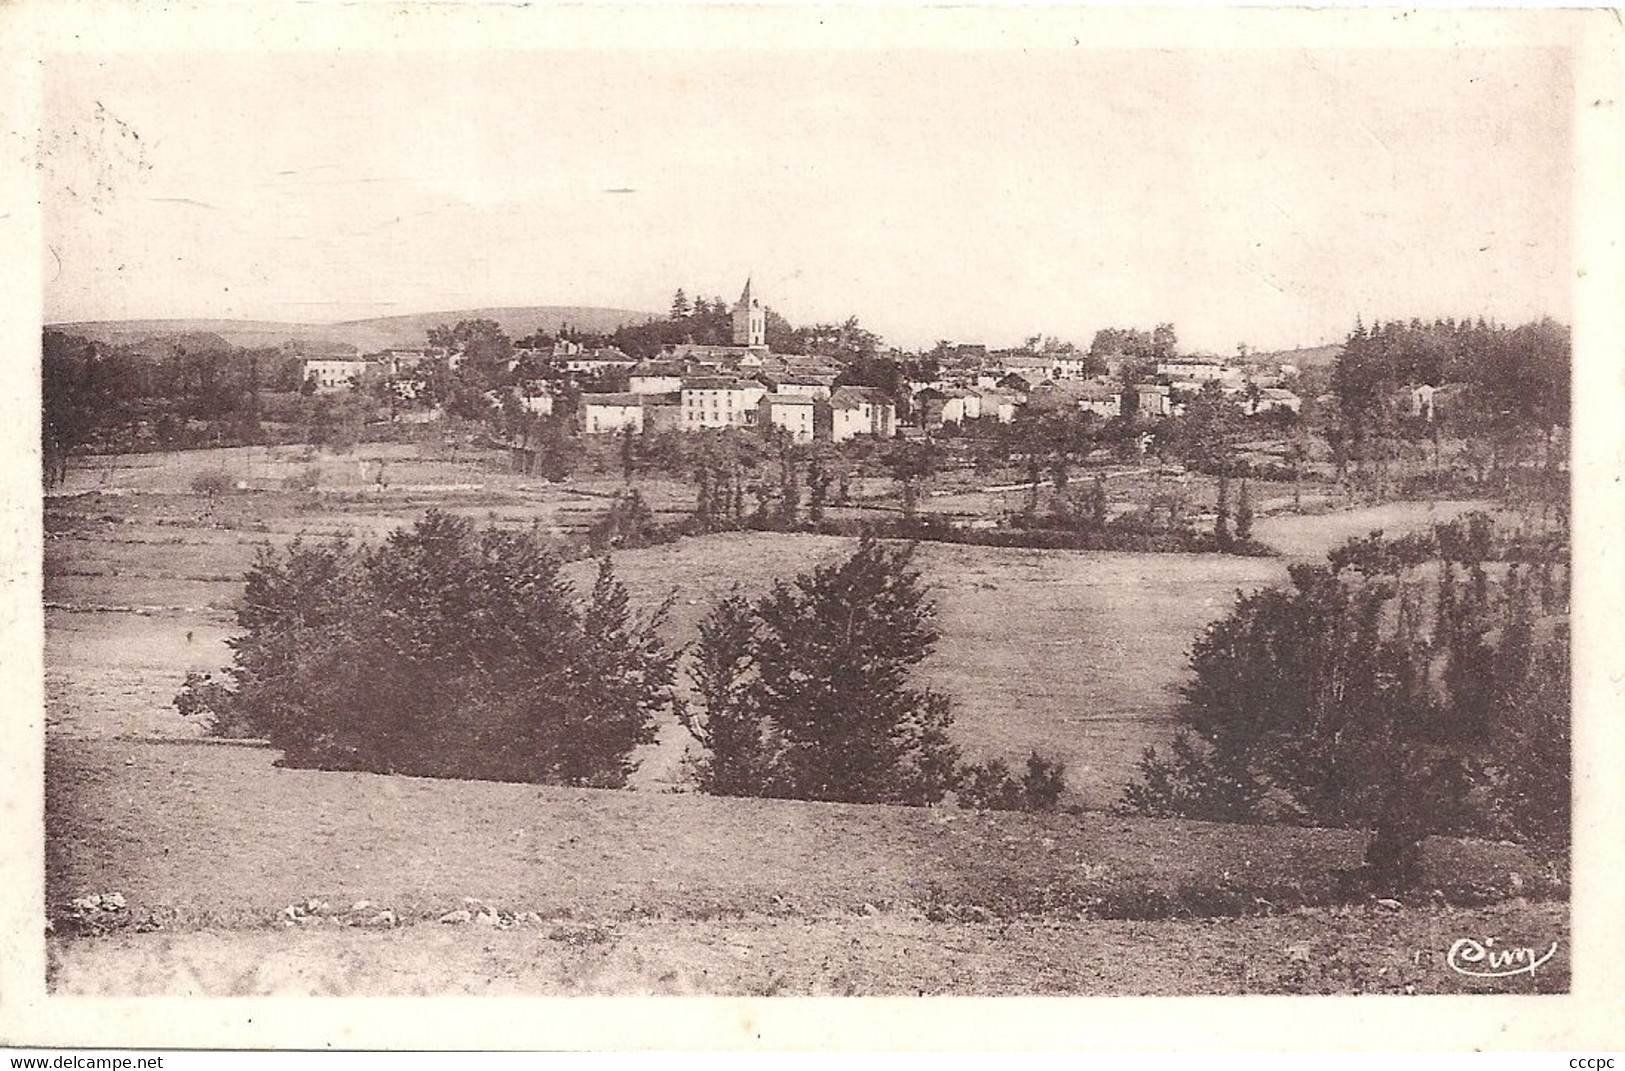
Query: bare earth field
(1080, 655)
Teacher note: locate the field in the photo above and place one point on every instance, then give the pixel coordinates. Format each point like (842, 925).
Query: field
(635, 891)
(141, 576)
(1078, 654)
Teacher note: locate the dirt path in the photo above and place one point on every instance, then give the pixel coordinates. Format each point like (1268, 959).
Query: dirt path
(1364, 950)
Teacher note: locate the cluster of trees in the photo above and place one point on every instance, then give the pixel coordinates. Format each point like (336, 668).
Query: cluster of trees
(185, 390)
(1160, 343)
(1408, 687)
(443, 652)
(449, 651)
(1510, 389)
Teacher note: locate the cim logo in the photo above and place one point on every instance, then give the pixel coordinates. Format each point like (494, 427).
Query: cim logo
(1483, 960)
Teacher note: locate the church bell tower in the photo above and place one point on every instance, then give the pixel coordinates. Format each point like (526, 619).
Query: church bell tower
(749, 320)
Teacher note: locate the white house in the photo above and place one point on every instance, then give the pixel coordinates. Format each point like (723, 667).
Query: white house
(1197, 369)
(1153, 400)
(1101, 398)
(996, 404)
(1033, 368)
(795, 413)
(602, 359)
(655, 377)
(1274, 398)
(1421, 400)
(807, 385)
(1070, 365)
(861, 411)
(603, 413)
(334, 373)
(970, 402)
(720, 402)
(534, 397)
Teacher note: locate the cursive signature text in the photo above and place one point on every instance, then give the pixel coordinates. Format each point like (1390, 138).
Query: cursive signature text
(1481, 959)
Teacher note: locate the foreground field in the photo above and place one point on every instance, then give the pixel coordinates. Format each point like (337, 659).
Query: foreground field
(149, 820)
(633, 891)
(1312, 951)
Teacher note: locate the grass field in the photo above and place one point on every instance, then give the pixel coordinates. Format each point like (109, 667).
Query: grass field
(148, 820)
(630, 888)
(1080, 655)
(1077, 654)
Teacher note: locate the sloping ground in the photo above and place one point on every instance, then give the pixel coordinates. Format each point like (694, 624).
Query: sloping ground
(206, 834)
(1079, 655)
(1362, 950)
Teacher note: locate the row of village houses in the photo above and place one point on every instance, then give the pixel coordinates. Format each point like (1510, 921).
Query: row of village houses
(694, 387)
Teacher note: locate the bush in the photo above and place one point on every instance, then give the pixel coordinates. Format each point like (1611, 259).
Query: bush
(805, 692)
(1211, 785)
(990, 786)
(629, 524)
(213, 482)
(1396, 689)
(444, 652)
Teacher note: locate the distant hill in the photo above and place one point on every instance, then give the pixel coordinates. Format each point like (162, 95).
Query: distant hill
(366, 336)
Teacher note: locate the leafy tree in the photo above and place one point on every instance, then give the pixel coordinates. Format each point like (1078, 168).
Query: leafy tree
(680, 309)
(68, 397)
(1353, 699)
(735, 759)
(629, 453)
(819, 479)
(485, 350)
(1221, 522)
(627, 525)
(809, 690)
(1164, 342)
(1097, 502)
(911, 464)
(1244, 514)
(443, 652)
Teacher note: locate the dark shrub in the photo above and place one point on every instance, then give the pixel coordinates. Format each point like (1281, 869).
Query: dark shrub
(806, 695)
(1398, 689)
(990, 786)
(443, 652)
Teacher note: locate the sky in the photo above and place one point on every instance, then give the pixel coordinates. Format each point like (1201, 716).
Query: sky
(1265, 197)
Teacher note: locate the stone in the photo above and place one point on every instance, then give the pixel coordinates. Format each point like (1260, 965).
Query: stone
(456, 917)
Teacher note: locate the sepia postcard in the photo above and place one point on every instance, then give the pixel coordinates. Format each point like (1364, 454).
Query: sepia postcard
(856, 518)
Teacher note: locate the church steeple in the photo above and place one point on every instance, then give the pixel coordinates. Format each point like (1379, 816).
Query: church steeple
(749, 319)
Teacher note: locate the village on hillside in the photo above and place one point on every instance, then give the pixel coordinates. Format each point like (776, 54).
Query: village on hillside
(690, 386)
